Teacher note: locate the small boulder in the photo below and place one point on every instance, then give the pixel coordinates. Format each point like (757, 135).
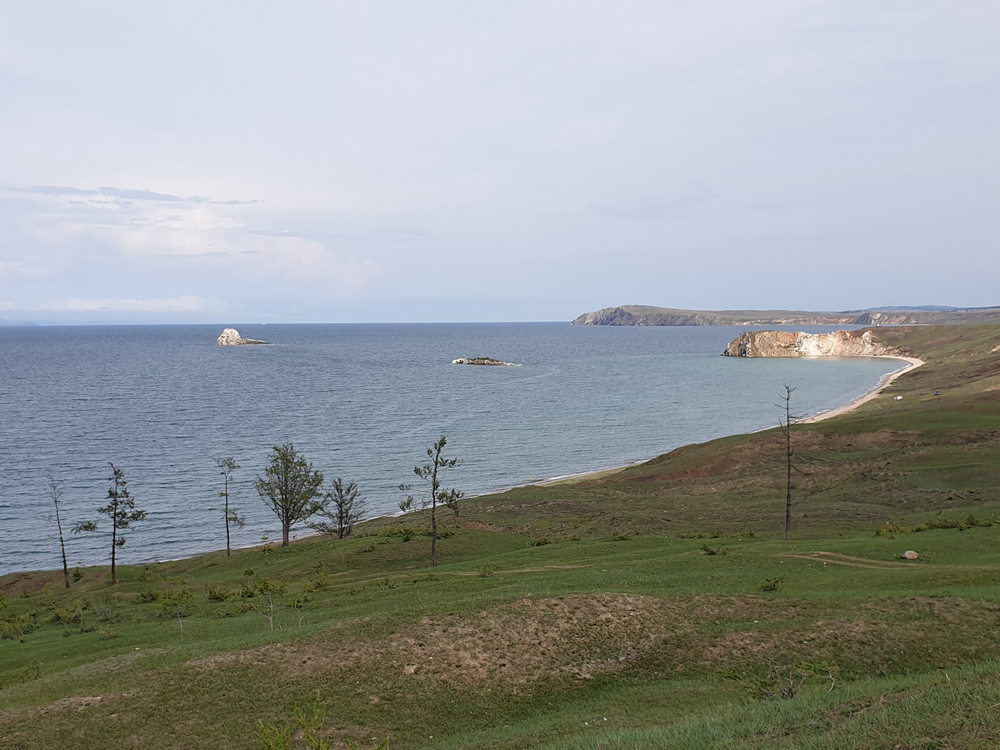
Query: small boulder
(910, 555)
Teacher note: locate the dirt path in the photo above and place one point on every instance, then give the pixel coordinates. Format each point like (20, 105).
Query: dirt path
(855, 562)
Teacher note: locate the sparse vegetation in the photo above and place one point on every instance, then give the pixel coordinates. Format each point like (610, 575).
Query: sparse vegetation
(231, 514)
(436, 495)
(289, 487)
(122, 513)
(829, 640)
(340, 509)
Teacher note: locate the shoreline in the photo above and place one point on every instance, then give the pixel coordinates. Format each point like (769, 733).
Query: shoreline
(912, 363)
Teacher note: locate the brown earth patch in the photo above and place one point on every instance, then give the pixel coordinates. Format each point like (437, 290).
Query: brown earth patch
(524, 643)
(573, 635)
(469, 523)
(578, 636)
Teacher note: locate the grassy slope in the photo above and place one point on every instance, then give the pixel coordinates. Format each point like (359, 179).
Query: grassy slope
(600, 638)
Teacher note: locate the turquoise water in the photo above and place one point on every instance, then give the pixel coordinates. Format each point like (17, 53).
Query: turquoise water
(359, 401)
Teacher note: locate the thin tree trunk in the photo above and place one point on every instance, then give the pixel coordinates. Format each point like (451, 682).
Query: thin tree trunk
(228, 550)
(788, 485)
(434, 524)
(434, 536)
(284, 534)
(62, 543)
(114, 548)
(788, 464)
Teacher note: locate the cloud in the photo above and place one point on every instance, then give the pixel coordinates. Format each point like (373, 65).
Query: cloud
(649, 206)
(116, 194)
(185, 304)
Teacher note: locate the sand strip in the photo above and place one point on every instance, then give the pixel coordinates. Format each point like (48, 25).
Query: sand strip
(912, 364)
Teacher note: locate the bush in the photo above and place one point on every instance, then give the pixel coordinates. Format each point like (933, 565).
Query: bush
(891, 528)
(772, 585)
(218, 593)
(15, 628)
(319, 582)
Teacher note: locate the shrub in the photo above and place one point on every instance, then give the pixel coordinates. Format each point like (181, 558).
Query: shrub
(319, 582)
(891, 528)
(772, 585)
(218, 593)
(15, 628)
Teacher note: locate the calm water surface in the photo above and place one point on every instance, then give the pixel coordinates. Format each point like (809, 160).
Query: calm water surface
(359, 401)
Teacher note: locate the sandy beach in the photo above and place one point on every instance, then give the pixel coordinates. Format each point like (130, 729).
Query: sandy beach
(912, 363)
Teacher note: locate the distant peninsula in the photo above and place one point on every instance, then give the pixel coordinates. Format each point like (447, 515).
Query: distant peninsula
(647, 315)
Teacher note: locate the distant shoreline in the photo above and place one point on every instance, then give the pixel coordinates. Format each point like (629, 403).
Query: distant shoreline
(885, 381)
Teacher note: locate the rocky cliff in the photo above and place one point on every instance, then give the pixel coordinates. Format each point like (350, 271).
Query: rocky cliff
(645, 315)
(861, 343)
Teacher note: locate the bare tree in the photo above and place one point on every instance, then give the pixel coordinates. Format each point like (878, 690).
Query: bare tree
(122, 512)
(786, 423)
(288, 487)
(55, 492)
(227, 466)
(339, 510)
(429, 472)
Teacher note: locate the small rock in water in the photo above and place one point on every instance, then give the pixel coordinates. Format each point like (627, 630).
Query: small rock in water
(231, 337)
(483, 361)
(910, 555)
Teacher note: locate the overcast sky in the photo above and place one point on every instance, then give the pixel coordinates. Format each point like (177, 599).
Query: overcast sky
(470, 161)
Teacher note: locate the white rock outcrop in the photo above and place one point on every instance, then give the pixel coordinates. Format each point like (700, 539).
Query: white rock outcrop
(231, 337)
(800, 344)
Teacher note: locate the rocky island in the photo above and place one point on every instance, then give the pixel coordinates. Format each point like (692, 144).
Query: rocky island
(231, 337)
(483, 361)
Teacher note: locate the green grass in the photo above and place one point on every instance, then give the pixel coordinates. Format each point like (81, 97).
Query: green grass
(585, 614)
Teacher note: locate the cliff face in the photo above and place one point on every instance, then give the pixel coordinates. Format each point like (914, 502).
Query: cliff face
(799, 344)
(644, 315)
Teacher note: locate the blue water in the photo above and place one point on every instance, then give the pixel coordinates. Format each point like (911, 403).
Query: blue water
(359, 401)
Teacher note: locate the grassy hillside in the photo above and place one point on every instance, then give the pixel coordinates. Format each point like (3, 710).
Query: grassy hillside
(657, 606)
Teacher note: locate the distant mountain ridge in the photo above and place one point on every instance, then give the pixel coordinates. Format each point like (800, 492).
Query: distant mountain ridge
(648, 315)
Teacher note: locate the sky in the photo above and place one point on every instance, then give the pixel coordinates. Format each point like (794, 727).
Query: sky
(227, 162)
